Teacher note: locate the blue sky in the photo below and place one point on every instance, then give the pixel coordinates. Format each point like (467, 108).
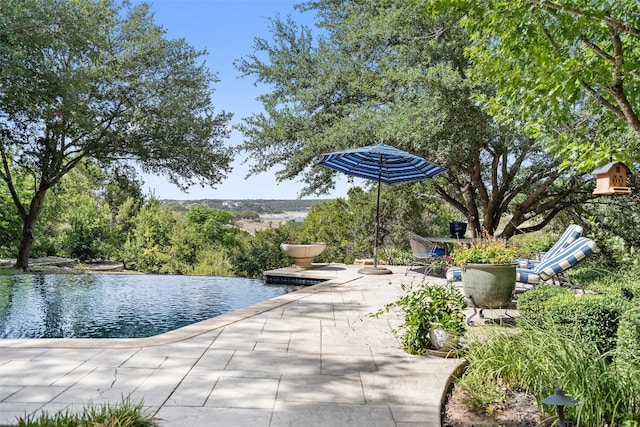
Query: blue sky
(227, 28)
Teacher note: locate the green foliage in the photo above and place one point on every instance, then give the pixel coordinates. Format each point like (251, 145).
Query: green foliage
(214, 226)
(88, 236)
(124, 222)
(392, 255)
(539, 360)
(554, 65)
(590, 318)
(125, 414)
(531, 304)
(212, 262)
(613, 223)
(148, 247)
(486, 251)
(423, 306)
(111, 54)
(200, 241)
(533, 244)
(246, 214)
(337, 223)
(628, 338)
(10, 225)
(480, 393)
(609, 281)
(123, 187)
(262, 252)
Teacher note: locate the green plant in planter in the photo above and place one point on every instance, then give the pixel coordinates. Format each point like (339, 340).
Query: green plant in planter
(486, 251)
(426, 307)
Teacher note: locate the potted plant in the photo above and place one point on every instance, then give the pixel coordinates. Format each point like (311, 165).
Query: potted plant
(433, 318)
(488, 271)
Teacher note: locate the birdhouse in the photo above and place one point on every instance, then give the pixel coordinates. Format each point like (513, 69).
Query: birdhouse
(611, 179)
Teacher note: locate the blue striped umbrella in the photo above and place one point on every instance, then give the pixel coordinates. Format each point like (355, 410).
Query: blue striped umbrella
(384, 164)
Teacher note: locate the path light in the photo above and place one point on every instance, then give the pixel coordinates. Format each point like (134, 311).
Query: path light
(559, 399)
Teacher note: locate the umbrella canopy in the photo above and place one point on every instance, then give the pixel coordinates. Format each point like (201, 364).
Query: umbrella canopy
(382, 163)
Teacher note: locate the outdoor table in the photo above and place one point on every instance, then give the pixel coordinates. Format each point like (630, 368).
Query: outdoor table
(448, 242)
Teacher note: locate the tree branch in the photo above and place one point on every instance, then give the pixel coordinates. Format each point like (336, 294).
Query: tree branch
(602, 100)
(6, 177)
(618, 25)
(617, 90)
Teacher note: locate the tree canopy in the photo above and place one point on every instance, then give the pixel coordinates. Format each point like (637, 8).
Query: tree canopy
(566, 71)
(99, 80)
(385, 70)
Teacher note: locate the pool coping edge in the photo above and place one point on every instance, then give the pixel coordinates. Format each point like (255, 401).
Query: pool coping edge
(179, 334)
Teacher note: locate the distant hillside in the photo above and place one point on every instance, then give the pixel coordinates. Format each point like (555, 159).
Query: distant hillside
(261, 206)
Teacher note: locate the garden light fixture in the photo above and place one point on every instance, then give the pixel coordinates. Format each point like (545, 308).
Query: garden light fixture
(559, 399)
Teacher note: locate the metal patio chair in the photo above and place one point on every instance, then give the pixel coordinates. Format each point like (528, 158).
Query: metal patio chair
(426, 254)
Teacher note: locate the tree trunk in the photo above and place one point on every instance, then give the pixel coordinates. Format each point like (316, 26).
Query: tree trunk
(28, 226)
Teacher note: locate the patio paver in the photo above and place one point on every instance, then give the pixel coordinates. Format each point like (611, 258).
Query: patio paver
(315, 357)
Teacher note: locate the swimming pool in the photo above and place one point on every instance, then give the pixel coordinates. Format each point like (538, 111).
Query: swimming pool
(119, 305)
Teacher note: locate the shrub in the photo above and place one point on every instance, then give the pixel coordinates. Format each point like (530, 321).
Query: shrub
(262, 252)
(628, 346)
(624, 283)
(88, 235)
(212, 262)
(531, 304)
(590, 318)
(531, 245)
(393, 255)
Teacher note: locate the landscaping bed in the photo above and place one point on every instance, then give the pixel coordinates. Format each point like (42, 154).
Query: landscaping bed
(519, 410)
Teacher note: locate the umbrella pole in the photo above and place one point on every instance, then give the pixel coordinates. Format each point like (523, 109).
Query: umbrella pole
(375, 269)
(376, 226)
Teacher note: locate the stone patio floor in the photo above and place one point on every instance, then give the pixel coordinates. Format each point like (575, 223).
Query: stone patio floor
(314, 357)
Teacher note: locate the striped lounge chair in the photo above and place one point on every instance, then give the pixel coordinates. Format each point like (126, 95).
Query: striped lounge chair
(553, 268)
(572, 232)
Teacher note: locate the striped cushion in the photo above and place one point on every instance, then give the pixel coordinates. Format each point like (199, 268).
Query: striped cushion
(571, 234)
(526, 263)
(566, 258)
(454, 274)
(525, 275)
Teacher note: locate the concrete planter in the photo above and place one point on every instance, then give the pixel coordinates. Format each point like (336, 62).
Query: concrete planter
(303, 254)
(489, 285)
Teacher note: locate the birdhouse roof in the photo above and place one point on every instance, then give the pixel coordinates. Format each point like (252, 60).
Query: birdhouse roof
(606, 168)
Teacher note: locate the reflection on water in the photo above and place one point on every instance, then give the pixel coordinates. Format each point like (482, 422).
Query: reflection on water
(119, 306)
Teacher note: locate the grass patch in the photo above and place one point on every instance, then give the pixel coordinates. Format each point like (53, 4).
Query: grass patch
(125, 414)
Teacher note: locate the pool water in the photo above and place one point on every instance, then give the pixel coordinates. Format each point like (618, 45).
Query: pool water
(119, 305)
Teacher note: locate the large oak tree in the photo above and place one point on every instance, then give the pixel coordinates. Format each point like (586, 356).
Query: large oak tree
(382, 69)
(98, 79)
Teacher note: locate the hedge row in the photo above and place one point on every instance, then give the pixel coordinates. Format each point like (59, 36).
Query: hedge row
(609, 322)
